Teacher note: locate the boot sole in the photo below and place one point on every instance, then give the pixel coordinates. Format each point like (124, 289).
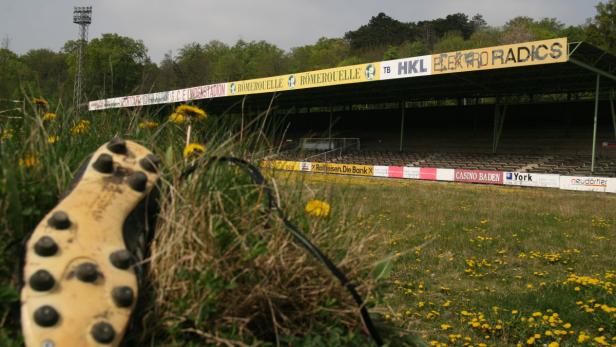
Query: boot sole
(81, 284)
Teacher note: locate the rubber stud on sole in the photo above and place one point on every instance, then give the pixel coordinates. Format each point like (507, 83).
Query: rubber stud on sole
(103, 332)
(122, 296)
(117, 146)
(87, 272)
(59, 220)
(46, 316)
(138, 181)
(150, 163)
(104, 163)
(45, 246)
(42, 281)
(121, 259)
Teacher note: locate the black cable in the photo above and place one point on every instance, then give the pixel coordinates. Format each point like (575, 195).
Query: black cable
(258, 179)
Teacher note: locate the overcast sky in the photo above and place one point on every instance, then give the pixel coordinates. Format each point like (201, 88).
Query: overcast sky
(168, 25)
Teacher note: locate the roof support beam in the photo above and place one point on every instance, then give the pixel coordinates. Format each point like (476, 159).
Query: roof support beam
(499, 121)
(592, 68)
(594, 132)
(613, 112)
(402, 110)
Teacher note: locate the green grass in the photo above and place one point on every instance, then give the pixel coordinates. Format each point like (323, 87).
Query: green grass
(456, 264)
(223, 270)
(476, 262)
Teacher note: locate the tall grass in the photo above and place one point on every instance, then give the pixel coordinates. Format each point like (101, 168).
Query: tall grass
(223, 270)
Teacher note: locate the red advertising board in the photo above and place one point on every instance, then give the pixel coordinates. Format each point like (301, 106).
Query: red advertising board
(396, 172)
(427, 173)
(478, 176)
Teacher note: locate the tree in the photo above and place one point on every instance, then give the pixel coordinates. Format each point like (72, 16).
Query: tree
(478, 23)
(49, 71)
(381, 30)
(522, 29)
(247, 60)
(167, 77)
(413, 49)
(454, 22)
(451, 42)
(517, 30)
(114, 65)
(323, 54)
(12, 73)
(391, 53)
(601, 30)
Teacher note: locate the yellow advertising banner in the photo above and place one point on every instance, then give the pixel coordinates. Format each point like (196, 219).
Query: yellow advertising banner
(309, 79)
(343, 169)
(522, 54)
(282, 165)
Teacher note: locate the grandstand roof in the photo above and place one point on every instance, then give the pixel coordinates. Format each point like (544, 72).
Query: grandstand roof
(564, 77)
(521, 69)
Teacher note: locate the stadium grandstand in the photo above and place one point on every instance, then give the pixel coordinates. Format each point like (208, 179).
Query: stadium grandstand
(543, 107)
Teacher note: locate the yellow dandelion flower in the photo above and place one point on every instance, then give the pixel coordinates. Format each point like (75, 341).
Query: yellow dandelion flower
(40, 101)
(601, 340)
(583, 337)
(191, 111)
(554, 344)
(7, 134)
(82, 127)
(530, 341)
(52, 139)
(148, 124)
(193, 149)
(28, 161)
(177, 118)
(514, 311)
(49, 117)
(445, 326)
(318, 208)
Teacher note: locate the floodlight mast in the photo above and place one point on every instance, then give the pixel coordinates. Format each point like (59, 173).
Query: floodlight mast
(82, 16)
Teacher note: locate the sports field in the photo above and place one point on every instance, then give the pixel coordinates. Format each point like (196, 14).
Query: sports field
(455, 264)
(483, 265)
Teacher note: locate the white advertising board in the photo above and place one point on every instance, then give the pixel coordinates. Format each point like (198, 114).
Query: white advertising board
(407, 67)
(589, 184)
(381, 171)
(411, 172)
(445, 174)
(611, 185)
(179, 95)
(526, 179)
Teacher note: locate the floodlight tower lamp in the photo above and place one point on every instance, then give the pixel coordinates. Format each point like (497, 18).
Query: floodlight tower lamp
(82, 16)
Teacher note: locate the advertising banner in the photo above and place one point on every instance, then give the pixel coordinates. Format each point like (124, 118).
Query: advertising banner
(522, 54)
(381, 171)
(344, 169)
(282, 165)
(611, 185)
(427, 173)
(478, 176)
(411, 172)
(396, 172)
(305, 166)
(310, 79)
(257, 85)
(407, 67)
(531, 179)
(445, 175)
(179, 95)
(589, 184)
